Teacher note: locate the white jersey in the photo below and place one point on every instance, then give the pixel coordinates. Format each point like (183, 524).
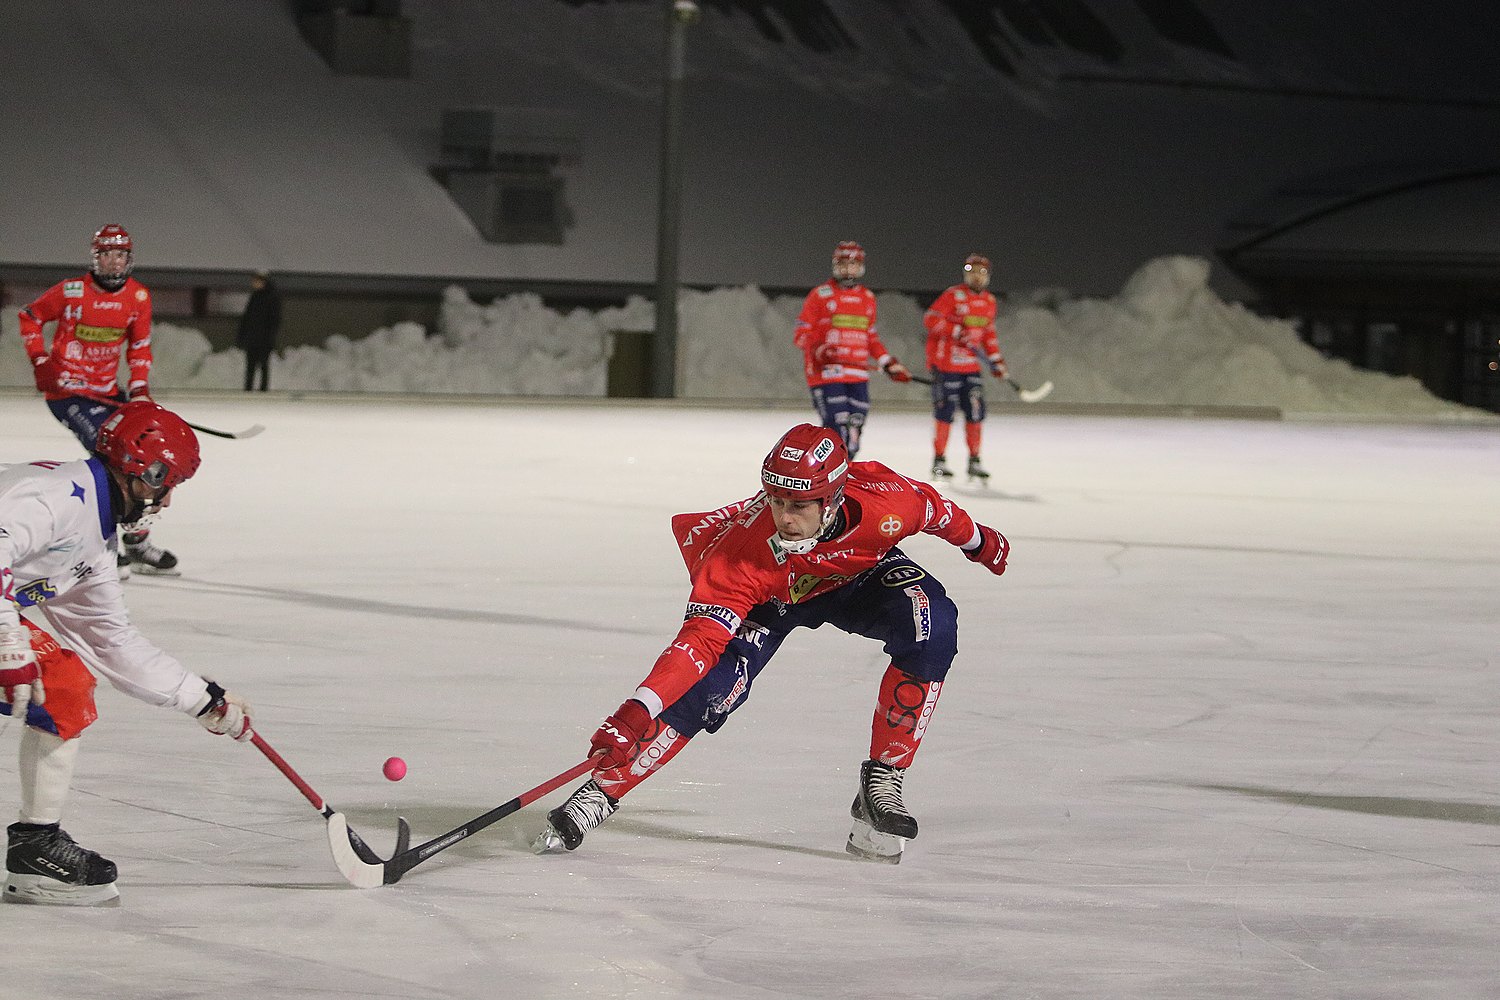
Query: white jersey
(56, 530)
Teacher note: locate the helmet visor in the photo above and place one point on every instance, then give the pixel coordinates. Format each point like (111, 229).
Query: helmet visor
(155, 474)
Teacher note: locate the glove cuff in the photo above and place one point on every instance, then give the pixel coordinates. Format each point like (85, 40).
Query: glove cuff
(213, 698)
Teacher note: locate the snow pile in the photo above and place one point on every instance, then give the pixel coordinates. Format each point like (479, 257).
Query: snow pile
(1167, 338)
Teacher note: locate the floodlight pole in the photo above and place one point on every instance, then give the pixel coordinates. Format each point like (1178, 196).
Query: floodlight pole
(679, 13)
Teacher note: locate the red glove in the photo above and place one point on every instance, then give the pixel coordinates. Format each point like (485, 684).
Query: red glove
(997, 367)
(992, 551)
(46, 373)
(617, 737)
(897, 371)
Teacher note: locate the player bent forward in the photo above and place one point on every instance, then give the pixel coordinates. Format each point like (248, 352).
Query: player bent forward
(57, 522)
(816, 546)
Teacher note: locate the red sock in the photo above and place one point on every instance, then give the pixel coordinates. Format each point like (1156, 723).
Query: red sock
(940, 437)
(972, 434)
(901, 716)
(650, 754)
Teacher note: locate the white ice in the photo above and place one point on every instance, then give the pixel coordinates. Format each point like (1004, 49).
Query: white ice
(1227, 728)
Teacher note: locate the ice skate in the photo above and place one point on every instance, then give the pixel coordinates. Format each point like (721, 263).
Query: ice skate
(882, 826)
(585, 809)
(146, 557)
(45, 865)
(978, 473)
(940, 470)
(122, 565)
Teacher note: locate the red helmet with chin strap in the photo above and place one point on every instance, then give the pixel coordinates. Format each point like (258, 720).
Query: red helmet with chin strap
(151, 443)
(808, 463)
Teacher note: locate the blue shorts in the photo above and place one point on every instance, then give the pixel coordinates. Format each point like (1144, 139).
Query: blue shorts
(842, 407)
(83, 417)
(897, 602)
(952, 391)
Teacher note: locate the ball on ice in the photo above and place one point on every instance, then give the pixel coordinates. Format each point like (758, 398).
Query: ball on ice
(395, 768)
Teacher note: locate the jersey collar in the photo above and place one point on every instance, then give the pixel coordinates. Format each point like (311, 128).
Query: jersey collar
(101, 490)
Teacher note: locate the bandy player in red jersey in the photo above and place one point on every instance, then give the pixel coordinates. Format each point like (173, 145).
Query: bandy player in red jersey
(961, 330)
(98, 316)
(837, 335)
(816, 546)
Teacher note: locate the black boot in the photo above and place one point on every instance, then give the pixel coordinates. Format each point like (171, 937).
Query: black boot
(45, 865)
(585, 809)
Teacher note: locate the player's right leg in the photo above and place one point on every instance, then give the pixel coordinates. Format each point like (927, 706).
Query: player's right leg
(704, 708)
(42, 863)
(903, 606)
(944, 406)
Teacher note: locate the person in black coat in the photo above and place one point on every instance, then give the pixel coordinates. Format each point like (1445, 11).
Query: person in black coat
(258, 328)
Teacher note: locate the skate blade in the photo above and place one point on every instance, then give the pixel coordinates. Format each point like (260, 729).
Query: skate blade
(548, 842)
(38, 890)
(868, 844)
(146, 569)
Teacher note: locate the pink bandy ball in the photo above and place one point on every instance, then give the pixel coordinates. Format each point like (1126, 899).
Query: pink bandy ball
(395, 768)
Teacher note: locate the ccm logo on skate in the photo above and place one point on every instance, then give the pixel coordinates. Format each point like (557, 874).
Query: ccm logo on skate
(902, 576)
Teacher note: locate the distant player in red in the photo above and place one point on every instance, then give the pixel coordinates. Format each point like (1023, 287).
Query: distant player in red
(837, 335)
(816, 546)
(99, 315)
(960, 331)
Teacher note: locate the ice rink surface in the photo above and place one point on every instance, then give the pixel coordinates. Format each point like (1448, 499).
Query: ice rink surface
(1229, 726)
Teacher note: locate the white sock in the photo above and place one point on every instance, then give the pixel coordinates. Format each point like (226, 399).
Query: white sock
(46, 766)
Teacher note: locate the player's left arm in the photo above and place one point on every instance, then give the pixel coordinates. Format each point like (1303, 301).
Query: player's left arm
(950, 522)
(989, 343)
(91, 620)
(883, 357)
(138, 351)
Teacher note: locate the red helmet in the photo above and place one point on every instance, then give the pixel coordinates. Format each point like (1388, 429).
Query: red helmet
(808, 463)
(112, 237)
(976, 260)
(149, 442)
(849, 251)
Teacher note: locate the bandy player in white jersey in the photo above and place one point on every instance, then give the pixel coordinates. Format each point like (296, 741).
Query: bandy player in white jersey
(57, 524)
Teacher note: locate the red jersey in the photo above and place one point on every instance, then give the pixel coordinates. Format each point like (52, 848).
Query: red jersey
(735, 562)
(92, 326)
(961, 329)
(836, 333)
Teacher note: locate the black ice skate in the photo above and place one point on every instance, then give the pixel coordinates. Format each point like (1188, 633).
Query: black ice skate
(122, 564)
(45, 865)
(940, 470)
(148, 558)
(977, 472)
(882, 826)
(585, 809)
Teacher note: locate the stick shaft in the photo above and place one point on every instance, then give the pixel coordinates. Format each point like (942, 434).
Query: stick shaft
(407, 860)
(286, 769)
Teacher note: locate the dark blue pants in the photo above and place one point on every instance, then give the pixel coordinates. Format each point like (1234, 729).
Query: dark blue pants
(83, 417)
(842, 407)
(896, 602)
(952, 392)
